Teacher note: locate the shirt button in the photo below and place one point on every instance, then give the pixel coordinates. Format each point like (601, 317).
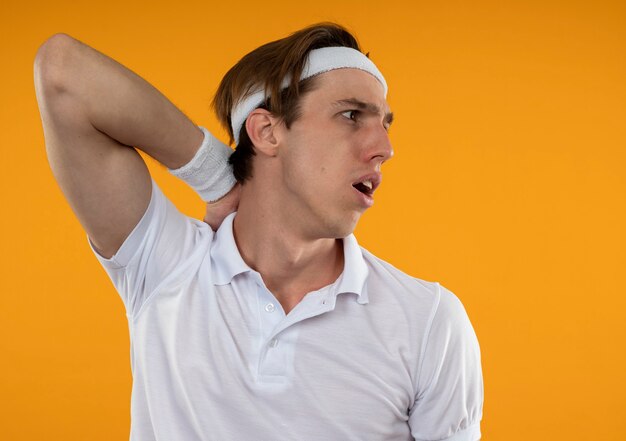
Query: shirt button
(273, 343)
(270, 307)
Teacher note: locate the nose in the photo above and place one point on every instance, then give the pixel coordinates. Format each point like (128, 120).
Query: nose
(379, 145)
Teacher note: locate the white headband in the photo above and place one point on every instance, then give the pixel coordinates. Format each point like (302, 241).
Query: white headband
(319, 61)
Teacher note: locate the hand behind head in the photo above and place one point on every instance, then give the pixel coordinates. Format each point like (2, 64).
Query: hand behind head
(217, 211)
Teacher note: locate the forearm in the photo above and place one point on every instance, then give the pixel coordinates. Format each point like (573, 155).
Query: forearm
(118, 102)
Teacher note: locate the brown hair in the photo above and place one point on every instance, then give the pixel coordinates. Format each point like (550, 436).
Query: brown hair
(267, 66)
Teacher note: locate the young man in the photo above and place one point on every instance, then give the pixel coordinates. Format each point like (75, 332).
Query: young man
(277, 326)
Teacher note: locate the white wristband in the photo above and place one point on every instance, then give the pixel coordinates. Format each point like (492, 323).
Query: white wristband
(208, 172)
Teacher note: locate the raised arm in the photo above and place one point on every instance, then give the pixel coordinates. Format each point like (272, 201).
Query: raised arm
(94, 111)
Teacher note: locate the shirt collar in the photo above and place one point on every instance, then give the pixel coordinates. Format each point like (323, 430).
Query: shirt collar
(227, 262)
(355, 271)
(225, 257)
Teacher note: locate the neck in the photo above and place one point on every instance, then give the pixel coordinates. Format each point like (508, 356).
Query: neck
(271, 242)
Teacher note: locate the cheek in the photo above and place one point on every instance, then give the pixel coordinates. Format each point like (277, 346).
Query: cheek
(305, 160)
(302, 171)
(315, 169)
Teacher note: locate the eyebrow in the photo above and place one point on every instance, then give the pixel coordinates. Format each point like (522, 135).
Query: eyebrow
(361, 105)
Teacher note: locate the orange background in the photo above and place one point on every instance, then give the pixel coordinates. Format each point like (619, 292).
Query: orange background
(508, 186)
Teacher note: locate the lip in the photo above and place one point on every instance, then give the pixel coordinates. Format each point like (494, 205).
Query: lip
(364, 199)
(375, 178)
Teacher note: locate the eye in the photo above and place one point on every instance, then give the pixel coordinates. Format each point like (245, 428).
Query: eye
(353, 114)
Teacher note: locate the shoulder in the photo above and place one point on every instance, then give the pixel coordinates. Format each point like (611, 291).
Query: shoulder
(383, 272)
(166, 248)
(389, 279)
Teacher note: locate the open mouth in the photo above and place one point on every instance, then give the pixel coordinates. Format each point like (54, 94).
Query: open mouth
(365, 187)
(368, 184)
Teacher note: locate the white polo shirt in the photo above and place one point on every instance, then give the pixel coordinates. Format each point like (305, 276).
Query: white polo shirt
(377, 355)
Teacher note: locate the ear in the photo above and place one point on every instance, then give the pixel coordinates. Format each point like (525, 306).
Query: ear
(261, 127)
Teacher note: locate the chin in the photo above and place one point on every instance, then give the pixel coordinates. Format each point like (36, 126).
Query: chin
(340, 228)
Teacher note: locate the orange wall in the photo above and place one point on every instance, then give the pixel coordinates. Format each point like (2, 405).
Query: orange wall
(508, 186)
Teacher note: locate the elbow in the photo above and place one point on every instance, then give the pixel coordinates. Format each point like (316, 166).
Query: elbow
(51, 63)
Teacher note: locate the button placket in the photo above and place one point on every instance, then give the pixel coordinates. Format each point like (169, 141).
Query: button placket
(269, 318)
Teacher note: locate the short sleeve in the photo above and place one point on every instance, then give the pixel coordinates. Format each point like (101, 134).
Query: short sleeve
(449, 397)
(156, 250)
